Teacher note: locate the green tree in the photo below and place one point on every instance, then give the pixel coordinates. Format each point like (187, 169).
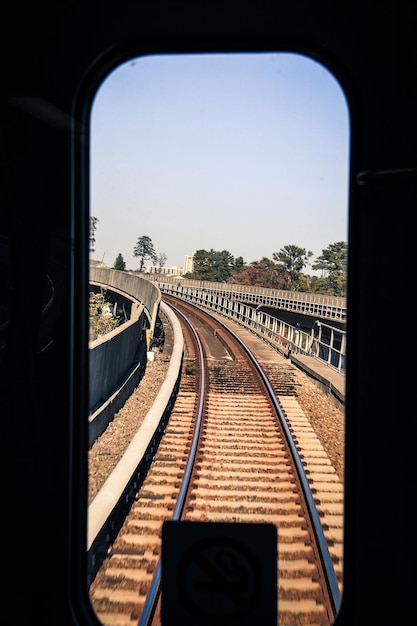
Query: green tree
(239, 263)
(144, 250)
(293, 259)
(93, 222)
(212, 265)
(333, 264)
(320, 285)
(119, 263)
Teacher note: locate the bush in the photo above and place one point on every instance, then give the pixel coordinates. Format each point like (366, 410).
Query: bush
(102, 320)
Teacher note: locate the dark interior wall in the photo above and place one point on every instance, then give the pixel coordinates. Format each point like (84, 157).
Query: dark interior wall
(52, 52)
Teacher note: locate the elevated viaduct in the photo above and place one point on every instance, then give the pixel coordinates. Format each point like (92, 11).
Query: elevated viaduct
(118, 359)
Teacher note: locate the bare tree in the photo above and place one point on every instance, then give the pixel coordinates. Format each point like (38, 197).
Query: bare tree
(161, 259)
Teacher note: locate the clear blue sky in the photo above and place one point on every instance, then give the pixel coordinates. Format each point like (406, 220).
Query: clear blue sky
(246, 153)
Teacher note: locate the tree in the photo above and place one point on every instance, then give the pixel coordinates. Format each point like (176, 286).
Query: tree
(161, 259)
(333, 264)
(239, 263)
(212, 265)
(144, 250)
(119, 263)
(263, 273)
(293, 259)
(93, 222)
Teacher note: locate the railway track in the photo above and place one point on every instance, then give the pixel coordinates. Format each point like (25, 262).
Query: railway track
(243, 472)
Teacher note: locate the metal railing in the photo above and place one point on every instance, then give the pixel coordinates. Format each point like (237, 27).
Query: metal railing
(323, 342)
(329, 308)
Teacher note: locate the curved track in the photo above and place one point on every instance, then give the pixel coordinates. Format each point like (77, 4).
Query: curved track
(244, 471)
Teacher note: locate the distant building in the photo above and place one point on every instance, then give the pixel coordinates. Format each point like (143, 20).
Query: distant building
(189, 264)
(166, 271)
(173, 270)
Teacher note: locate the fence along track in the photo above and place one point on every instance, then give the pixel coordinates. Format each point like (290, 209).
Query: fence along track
(238, 478)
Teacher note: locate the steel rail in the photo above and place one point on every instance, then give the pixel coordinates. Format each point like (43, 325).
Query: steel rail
(155, 589)
(324, 555)
(330, 576)
(328, 569)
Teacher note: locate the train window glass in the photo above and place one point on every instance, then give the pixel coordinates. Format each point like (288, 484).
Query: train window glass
(241, 158)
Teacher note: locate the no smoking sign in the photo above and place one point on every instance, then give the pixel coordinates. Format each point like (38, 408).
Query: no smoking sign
(217, 573)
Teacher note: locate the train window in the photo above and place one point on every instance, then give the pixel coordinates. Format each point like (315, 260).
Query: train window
(231, 169)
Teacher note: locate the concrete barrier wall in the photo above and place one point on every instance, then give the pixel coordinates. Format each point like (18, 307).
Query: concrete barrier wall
(112, 357)
(141, 289)
(104, 509)
(117, 364)
(118, 359)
